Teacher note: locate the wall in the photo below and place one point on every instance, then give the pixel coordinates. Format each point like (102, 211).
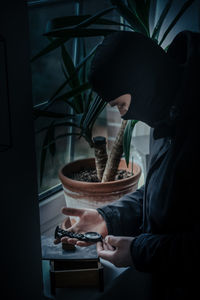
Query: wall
(20, 231)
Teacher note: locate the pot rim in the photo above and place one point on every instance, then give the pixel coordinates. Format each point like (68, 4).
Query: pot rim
(83, 184)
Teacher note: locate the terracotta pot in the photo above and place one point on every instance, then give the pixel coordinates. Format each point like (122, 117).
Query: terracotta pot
(95, 194)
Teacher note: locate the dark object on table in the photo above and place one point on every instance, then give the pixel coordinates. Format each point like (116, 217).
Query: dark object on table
(92, 237)
(80, 268)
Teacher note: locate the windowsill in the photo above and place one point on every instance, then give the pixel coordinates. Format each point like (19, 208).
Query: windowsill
(50, 217)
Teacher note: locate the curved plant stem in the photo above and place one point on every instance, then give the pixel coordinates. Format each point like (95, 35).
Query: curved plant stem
(115, 155)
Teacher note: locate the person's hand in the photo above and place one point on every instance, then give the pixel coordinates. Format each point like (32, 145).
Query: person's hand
(89, 220)
(116, 249)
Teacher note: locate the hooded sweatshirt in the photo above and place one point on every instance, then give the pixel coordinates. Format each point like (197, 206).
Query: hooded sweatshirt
(164, 214)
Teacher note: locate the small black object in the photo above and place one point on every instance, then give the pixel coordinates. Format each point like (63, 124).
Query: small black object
(93, 237)
(99, 140)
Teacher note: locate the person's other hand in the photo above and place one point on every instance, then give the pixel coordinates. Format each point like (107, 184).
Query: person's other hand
(116, 249)
(89, 220)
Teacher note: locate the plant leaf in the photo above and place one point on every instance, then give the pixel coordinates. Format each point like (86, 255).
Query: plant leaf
(73, 93)
(160, 21)
(52, 46)
(82, 54)
(140, 8)
(74, 82)
(77, 21)
(60, 137)
(131, 18)
(93, 18)
(127, 139)
(69, 21)
(185, 6)
(69, 66)
(49, 114)
(79, 32)
(79, 66)
(63, 123)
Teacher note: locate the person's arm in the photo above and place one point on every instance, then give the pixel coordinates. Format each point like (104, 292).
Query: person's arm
(124, 217)
(162, 253)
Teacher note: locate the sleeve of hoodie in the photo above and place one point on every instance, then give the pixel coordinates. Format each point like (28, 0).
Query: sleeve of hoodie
(179, 251)
(124, 216)
(162, 253)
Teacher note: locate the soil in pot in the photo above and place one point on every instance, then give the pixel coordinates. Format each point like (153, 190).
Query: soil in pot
(90, 175)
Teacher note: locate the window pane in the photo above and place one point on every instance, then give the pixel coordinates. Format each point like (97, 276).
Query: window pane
(47, 77)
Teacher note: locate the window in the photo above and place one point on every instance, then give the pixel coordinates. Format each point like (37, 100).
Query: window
(47, 77)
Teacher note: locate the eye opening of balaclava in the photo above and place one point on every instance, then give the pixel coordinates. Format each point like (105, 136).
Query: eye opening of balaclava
(130, 63)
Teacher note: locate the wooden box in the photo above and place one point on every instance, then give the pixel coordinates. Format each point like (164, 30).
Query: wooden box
(62, 276)
(73, 268)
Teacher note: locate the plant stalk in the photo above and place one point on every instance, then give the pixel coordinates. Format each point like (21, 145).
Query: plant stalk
(115, 155)
(101, 156)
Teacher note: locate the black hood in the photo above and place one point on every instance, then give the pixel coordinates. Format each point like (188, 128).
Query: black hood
(131, 63)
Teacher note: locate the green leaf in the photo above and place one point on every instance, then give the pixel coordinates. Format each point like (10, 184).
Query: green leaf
(79, 66)
(87, 103)
(49, 114)
(139, 8)
(63, 123)
(52, 46)
(166, 48)
(60, 137)
(93, 18)
(95, 108)
(160, 21)
(183, 9)
(74, 82)
(127, 139)
(131, 18)
(148, 7)
(70, 67)
(82, 54)
(77, 21)
(69, 21)
(73, 93)
(79, 32)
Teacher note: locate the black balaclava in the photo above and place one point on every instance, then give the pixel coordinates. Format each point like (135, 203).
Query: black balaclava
(130, 63)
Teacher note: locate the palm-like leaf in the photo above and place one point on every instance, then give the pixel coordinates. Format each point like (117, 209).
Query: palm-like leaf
(161, 20)
(127, 138)
(131, 17)
(141, 10)
(183, 9)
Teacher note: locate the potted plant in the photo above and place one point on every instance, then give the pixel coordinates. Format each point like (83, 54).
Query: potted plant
(83, 102)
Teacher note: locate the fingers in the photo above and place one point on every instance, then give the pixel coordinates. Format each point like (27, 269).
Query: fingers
(99, 246)
(106, 251)
(78, 212)
(83, 244)
(66, 240)
(73, 241)
(66, 224)
(107, 255)
(112, 240)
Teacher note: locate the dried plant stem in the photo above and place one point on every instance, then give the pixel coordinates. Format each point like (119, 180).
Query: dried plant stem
(115, 155)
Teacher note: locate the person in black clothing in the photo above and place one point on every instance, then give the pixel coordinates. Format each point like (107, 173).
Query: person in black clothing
(155, 230)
